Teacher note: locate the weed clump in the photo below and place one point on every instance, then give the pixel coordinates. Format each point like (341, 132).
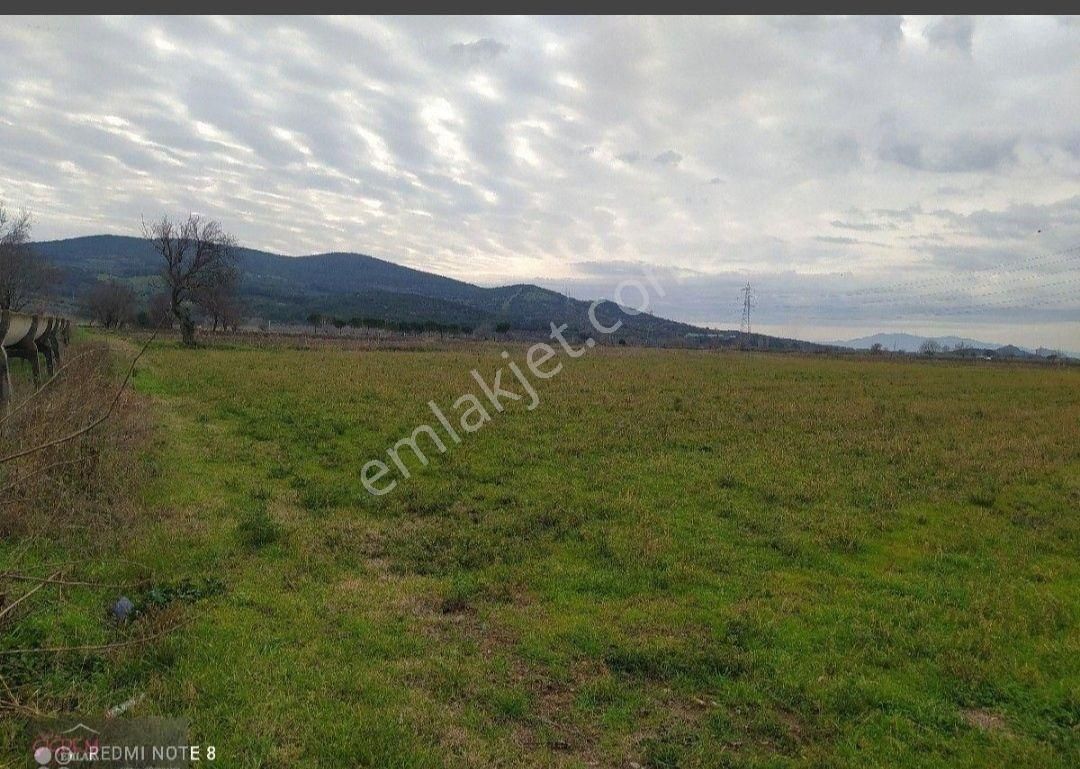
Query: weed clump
(257, 529)
(161, 595)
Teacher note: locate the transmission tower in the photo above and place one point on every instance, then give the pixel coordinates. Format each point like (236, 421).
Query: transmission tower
(748, 302)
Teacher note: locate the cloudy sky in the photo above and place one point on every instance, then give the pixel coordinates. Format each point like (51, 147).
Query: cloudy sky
(864, 174)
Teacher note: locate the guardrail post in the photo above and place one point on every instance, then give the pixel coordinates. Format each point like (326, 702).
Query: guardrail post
(54, 339)
(5, 382)
(5, 377)
(27, 349)
(46, 345)
(42, 338)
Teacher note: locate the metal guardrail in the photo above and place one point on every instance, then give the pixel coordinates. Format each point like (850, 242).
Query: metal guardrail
(30, 337)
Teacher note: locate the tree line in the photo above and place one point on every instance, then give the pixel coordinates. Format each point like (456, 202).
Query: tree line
(318, 320)
(200, 270)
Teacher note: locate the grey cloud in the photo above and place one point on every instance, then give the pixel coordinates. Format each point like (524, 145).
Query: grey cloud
(846, 241)
(1071, 144)
(954, 155)
(905, 215)
(863, 226)
(668, 158)
(1057, 224)
(839, 241)
(888, 30)
(478, 51)
(952, 32)
(1006, 268)
(629, 157)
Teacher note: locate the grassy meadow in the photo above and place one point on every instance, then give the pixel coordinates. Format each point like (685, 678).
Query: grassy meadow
(678, 559)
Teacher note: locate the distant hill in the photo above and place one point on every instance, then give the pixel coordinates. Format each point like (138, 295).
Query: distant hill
(911, 342)
(347, 285)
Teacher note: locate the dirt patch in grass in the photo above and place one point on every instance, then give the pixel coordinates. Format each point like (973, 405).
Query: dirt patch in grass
(985, 720)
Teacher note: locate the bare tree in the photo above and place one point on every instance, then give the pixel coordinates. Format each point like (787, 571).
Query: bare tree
(159, 311)
(231, 314)
(198, 254)
(930, 348)
(111, 304)
(218, 300)
(24, 275)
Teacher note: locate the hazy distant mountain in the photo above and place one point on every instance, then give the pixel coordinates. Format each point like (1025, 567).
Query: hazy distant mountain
(345, 285)
(911, 342)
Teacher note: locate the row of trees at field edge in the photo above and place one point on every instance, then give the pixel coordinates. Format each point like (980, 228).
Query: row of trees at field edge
(201, 268)
(114, 304)
(929, 348)
(317, 320)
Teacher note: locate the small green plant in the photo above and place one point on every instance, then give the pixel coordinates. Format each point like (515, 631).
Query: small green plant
(162, 594)
(461, 595)
(257, 529)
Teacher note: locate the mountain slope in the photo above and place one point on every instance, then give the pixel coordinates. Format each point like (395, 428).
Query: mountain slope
(86, 258)
(345, 285)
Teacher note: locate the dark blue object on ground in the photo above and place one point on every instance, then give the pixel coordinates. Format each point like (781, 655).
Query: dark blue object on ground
(122, 609)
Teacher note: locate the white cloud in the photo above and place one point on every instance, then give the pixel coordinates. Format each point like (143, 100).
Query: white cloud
(490, 145)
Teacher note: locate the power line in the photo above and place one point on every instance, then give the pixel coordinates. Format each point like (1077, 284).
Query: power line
(941, 296)
(1031, 292)
(1061, 256)
(1027, 264)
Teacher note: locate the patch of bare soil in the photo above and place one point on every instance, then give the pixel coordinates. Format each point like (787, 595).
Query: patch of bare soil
(985, 720)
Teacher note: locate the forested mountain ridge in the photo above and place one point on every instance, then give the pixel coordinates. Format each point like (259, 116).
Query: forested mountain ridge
(353, 285)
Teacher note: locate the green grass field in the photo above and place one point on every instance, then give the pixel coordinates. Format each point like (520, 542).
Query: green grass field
(678, 559)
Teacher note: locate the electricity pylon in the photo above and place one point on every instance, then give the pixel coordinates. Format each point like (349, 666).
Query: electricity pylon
(748, 303)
